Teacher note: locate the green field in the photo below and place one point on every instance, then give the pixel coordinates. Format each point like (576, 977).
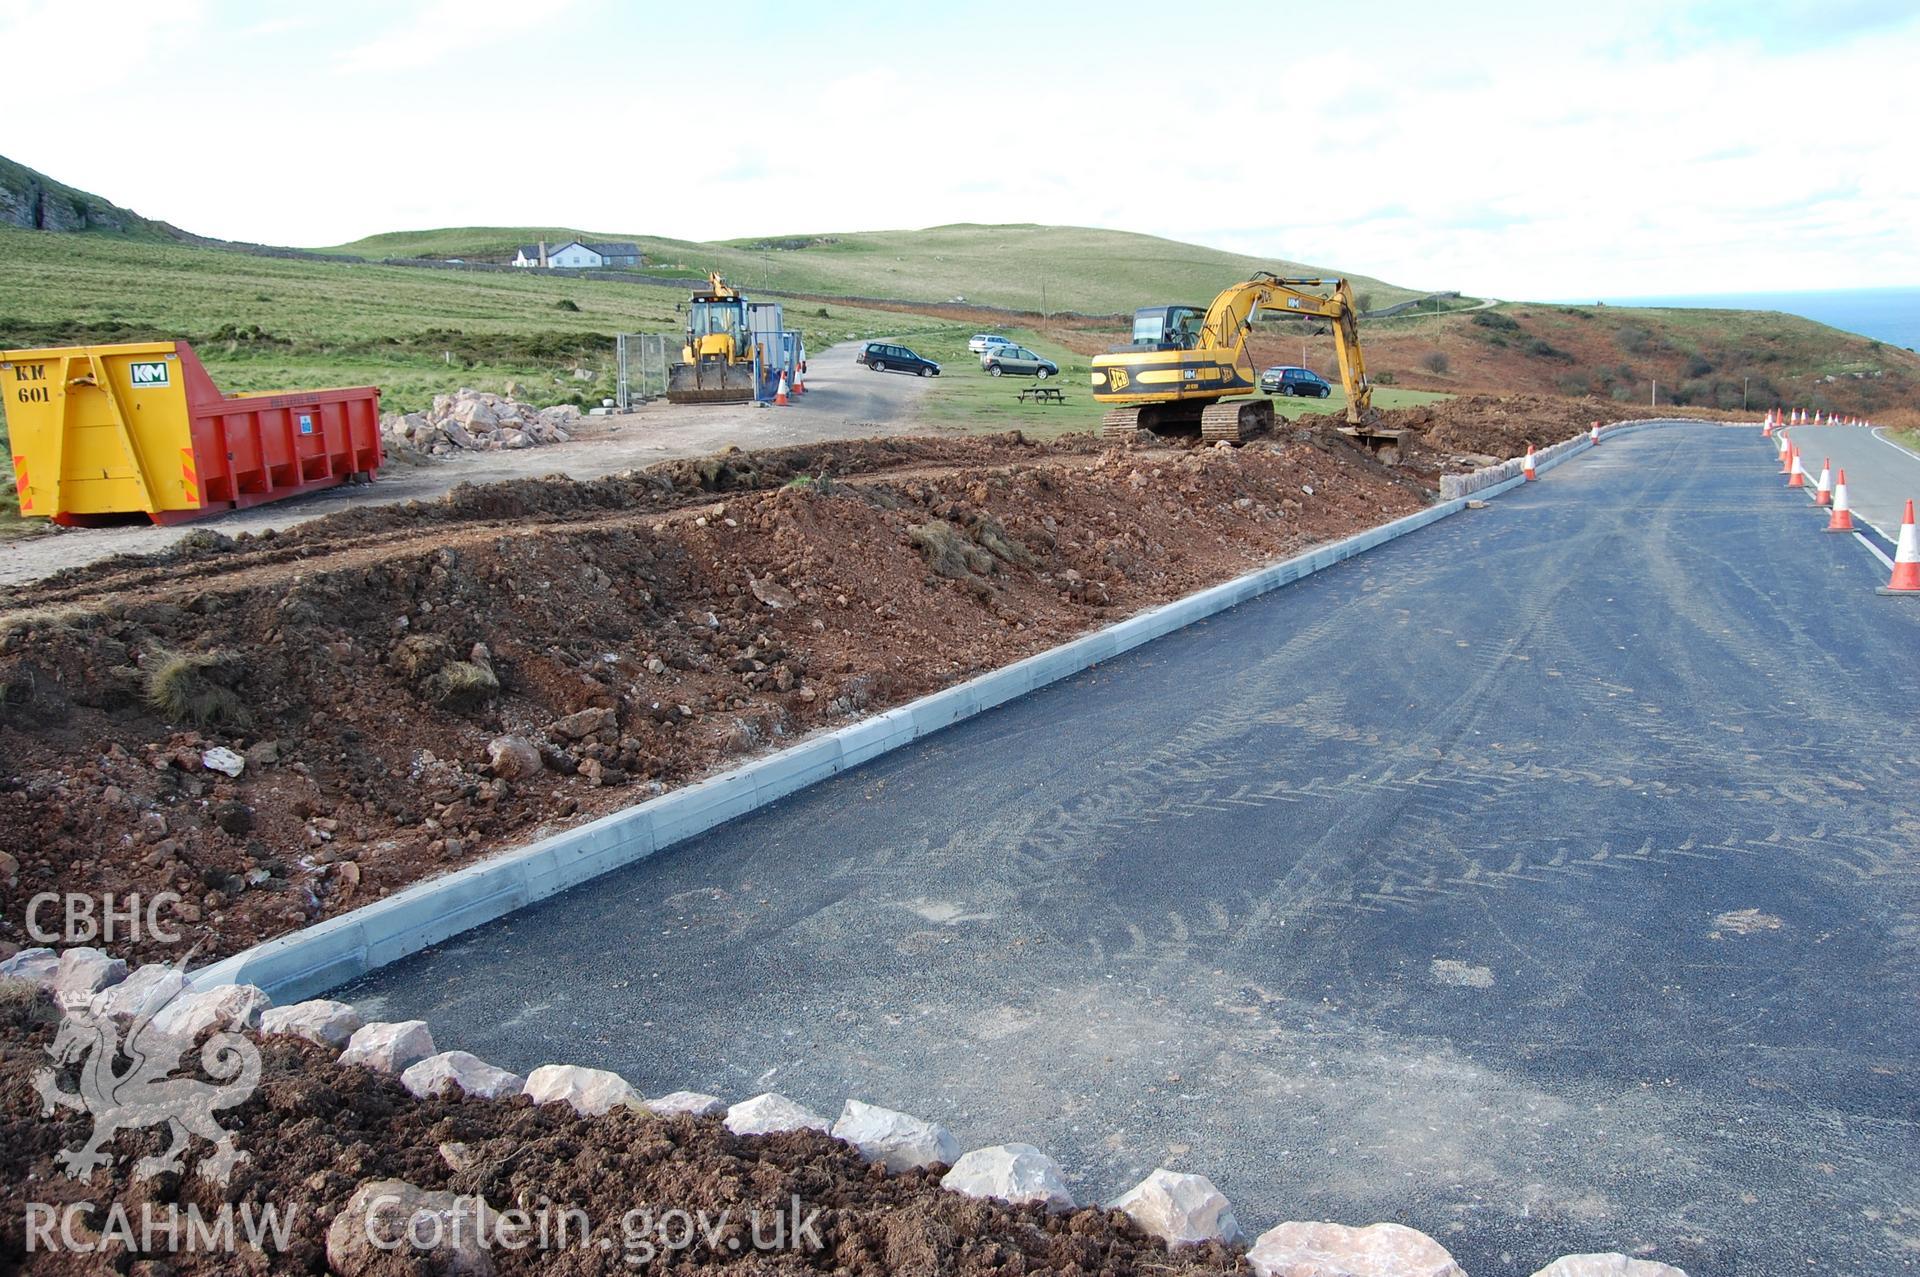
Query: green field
(970, 398)
(1040, 268)
(264, 323)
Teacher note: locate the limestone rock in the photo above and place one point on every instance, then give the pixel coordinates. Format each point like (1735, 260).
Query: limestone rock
(1609, 1264)
(582, 724)
(150, 988)
(389, 1226)
(771, 592)
(1335, 1250)
(591, 1092)
(83, 972)
(1179, 1208)
(389, 1046)
(467, 1073)
(770, 1113)
(230, 1006)
(895, 1140)
(320, 1021)
(513, 758)
(223, 760)
(37, 965)
(692, 1103)
(1016, 1173)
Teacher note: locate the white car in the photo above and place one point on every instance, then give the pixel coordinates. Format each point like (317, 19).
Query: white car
(981, 343)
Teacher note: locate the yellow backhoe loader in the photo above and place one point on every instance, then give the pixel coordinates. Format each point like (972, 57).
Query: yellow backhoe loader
(716, 363)
(1187, 368)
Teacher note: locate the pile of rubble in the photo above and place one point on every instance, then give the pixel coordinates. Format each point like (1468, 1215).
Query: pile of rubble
(476, 421)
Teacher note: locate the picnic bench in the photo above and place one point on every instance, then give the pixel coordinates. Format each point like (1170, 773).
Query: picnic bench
(1043, 394)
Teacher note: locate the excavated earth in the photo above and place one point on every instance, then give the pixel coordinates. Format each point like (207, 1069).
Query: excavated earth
(633, 633)
(314, 1130)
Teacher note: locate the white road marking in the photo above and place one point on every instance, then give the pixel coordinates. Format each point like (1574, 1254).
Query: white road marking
(1877, 552)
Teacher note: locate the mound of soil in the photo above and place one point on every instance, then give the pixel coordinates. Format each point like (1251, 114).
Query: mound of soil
(314, 1131)
(627, 634)
(1451, 436)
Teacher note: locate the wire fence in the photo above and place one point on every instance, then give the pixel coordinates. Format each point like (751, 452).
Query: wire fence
(640, 367)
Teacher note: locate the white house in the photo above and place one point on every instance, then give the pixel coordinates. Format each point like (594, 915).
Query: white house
(577, 255)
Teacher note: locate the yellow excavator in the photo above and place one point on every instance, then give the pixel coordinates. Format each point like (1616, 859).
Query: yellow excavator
(1187, 368)
(716, 363)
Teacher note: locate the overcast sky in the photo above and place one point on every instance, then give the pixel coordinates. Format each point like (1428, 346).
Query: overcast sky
(1527, 150)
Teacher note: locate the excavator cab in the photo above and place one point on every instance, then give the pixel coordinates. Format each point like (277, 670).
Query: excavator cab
(1167, 327)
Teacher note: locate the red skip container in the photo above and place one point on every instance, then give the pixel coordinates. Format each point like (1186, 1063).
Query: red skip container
(101, 432)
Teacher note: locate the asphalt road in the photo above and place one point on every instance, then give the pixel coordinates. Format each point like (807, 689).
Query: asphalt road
(843, 401)
(1544, 880)
(1881, 478)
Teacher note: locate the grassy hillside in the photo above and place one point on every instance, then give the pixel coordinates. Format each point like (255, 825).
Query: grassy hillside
(263, 323)
(1026, 267)
(1710, 358)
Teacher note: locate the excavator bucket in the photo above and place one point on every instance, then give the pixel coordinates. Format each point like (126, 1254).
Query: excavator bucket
(710, 381)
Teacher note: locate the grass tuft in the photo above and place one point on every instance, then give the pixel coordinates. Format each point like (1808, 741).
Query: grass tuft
(194, 687)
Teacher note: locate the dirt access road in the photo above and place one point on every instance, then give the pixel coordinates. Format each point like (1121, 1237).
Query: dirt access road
(1493, 882)
(843, 401)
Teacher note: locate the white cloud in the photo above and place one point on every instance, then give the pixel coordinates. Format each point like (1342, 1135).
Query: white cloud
(439, 29)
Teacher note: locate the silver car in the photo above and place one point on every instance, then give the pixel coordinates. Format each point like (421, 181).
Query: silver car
(981, 343)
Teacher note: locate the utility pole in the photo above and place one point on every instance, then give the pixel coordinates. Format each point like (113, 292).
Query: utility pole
(1743, 394)
(1653, 397)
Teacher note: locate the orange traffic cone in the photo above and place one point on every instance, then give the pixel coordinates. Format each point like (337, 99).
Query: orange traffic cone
(1766, 426)
(799, 383)
(1786, 455)
(1823, 490)
(1906, 559)
(780, 395)
(1796, 473)
(1526, 466)
(1593, 434)
(1842, 518)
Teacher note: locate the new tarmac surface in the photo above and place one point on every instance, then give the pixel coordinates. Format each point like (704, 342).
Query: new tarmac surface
(1545, 880)
(1881, 476)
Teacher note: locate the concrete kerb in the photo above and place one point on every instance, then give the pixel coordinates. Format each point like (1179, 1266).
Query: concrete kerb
(328, 954)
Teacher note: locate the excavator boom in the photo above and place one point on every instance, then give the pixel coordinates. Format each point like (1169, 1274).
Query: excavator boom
(1182, 374)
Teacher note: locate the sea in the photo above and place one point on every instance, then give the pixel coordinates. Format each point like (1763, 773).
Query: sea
(1891, 315)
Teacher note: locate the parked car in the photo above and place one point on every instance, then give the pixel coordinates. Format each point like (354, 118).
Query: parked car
(1019, 361)
(1295, 381)
(981, 343)
(885, 357)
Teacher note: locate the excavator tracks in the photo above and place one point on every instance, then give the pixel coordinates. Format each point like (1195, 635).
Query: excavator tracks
(1236, 421)
(1119, 425)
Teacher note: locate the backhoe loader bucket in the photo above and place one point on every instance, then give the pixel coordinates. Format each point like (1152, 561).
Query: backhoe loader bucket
(710, 381)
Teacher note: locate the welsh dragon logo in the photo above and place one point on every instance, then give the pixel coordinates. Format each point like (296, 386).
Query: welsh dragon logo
(145, 1093)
